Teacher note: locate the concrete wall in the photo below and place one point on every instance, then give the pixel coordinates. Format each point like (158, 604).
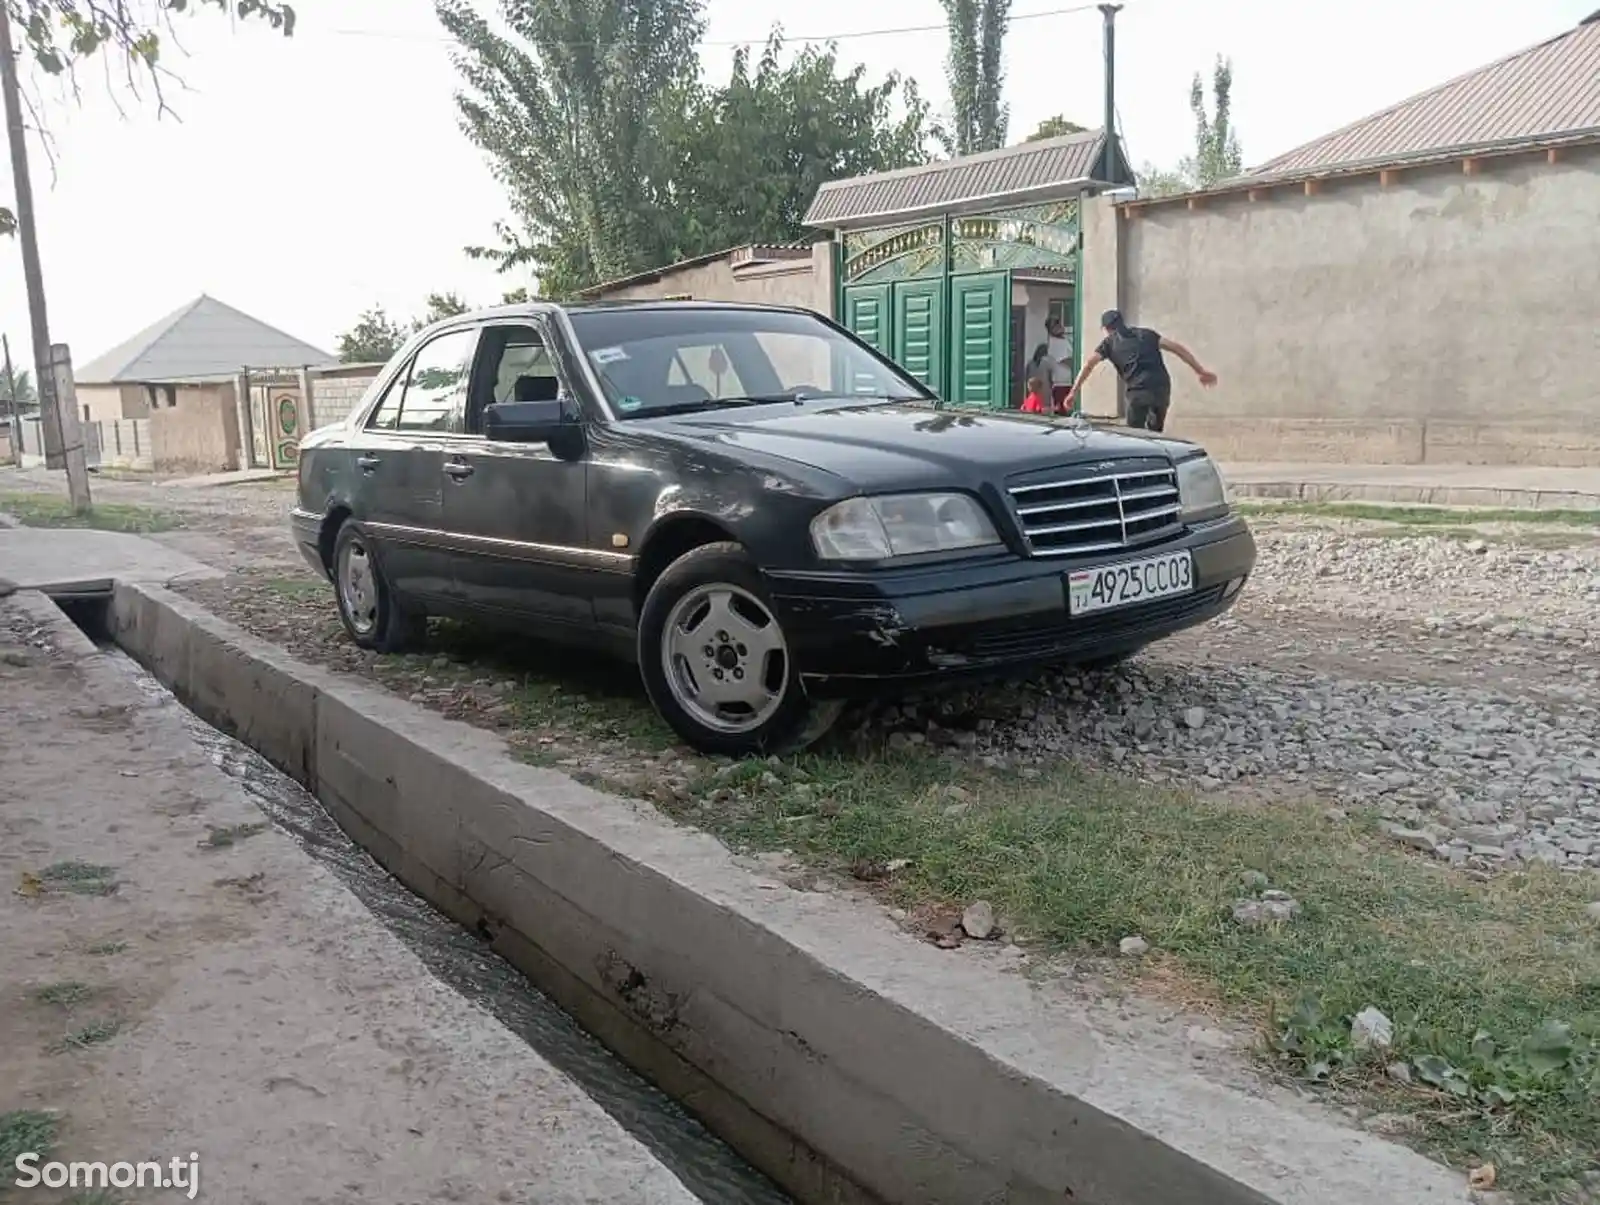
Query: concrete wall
(200, 432)
(108, 403)
(1101, 268)
(124, 443)
(1445, 318)
(807, 283)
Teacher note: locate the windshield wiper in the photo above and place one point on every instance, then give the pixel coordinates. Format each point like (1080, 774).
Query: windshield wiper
(723, 403)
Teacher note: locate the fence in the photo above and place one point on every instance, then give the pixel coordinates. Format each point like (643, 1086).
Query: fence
(123, 443)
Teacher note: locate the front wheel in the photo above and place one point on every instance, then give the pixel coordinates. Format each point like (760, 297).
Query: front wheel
(716, 663)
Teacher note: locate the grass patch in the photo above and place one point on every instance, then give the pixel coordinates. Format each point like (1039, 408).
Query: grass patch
(1421, 516)
(219, 837)
(24, 1131)
(79, 878)
(96, 1196)
(67, 995)
(295, 589)
(1077, 860)
(46, 510)
(92, 1034)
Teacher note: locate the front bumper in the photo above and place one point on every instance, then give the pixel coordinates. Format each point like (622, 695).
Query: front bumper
(306, 527)
(851, 631)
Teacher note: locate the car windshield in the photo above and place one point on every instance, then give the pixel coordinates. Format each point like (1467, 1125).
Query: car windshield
(674, 360)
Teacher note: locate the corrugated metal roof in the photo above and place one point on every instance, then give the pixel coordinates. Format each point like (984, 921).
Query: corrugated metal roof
(1545, 91)
(1013, 175)
(203, 340)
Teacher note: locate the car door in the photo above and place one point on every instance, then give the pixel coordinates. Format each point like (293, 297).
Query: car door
(516, 513)
(401, 465)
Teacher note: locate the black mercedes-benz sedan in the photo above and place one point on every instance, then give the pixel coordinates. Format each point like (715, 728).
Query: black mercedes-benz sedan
(754, 505)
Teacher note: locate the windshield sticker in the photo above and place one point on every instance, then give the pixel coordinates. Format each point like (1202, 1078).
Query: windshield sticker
(608, 355)
(629, 402)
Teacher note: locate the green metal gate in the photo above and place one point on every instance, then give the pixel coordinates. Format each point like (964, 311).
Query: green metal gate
(936, 297)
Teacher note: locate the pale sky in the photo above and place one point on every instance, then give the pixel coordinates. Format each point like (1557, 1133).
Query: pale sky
(312, 177)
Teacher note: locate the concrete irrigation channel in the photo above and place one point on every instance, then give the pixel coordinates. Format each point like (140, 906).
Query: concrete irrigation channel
(843, 1059)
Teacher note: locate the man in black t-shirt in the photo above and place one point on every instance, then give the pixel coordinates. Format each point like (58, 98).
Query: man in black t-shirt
(1136, 353)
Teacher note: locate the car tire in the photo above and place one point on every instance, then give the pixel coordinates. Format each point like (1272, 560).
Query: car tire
(371, 614)
(716, 663)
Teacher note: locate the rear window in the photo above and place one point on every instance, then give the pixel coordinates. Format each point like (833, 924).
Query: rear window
(680, 358)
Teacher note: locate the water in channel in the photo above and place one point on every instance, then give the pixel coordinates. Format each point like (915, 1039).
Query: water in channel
(707, 1166)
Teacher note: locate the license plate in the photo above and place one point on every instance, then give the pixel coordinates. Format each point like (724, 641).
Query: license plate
(1129, 582)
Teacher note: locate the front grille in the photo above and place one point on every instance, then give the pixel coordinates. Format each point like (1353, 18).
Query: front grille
(1097, 508)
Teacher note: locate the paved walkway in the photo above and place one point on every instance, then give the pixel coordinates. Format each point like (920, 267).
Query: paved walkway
(170, 992)
(1537, 486)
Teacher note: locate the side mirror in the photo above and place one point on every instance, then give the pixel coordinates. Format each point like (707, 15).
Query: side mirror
(527, 422)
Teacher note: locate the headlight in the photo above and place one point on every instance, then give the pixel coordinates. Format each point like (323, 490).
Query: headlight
(1200, 490)
(894, 525)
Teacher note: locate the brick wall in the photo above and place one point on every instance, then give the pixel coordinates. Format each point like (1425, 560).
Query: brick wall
(338, 390)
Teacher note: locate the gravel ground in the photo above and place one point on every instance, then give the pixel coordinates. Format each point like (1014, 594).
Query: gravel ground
(1451, 685)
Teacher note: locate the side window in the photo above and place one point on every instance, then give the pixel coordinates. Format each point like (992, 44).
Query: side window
(388, 410)
(524, 357)
(435, 383)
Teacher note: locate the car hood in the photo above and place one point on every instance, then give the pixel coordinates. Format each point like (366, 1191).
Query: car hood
(895, 445)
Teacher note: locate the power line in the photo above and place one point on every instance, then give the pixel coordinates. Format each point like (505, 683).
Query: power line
(842, 36)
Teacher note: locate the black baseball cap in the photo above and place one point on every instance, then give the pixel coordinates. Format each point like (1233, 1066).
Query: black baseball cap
(1111, 318)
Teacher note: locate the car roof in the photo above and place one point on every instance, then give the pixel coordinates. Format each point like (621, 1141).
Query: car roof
(533, 308)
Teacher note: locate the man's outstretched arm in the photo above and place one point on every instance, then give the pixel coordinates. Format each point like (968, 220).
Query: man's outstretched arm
(1207, 377)
(1090, 363)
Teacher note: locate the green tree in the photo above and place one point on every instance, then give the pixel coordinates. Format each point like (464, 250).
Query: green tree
(570, 110)
(977, 33)
(1217, 155)
(1055, 127)
(373, 339)
(1164, 182)
(440, 306)
(62, 35)
(750, 156)
(19, 390)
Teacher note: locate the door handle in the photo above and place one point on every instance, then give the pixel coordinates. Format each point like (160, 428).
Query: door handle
(459, 470)
(368, 463)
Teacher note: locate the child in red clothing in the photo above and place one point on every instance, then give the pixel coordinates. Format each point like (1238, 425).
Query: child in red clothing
(1037, 401)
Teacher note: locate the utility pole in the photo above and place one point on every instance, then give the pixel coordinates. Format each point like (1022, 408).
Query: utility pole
(57, 455)
(1108, 153)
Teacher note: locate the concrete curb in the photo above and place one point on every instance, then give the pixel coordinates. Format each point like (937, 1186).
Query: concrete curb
(847, 1060)
(1395, 494)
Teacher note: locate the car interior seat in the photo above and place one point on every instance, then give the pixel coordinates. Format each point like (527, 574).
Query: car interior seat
(535, 389)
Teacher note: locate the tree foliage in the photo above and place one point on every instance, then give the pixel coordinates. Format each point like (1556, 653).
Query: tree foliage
(1055, 127)
(373, 339)
(571, 111)
(1217, 155)
(440, 306)
(19, 389)
(617, 158)
(750, 156)
(977, 32)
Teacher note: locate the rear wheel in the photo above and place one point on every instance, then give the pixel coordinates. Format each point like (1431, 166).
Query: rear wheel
(716, 662)
(368, 608)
